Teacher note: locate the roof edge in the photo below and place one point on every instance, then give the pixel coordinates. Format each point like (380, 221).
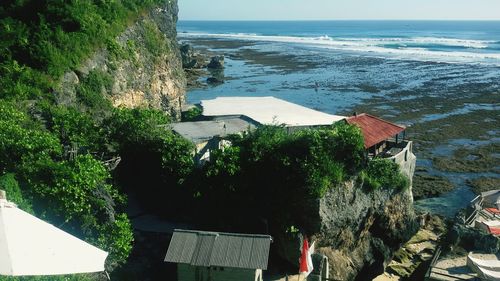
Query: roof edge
(215, 233)
(375, 117)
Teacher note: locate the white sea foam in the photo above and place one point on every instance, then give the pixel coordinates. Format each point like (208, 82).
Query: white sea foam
(418, 48)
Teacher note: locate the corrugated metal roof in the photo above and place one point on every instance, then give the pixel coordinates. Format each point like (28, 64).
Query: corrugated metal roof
(268, 111)
(374, 129)
(202, 248)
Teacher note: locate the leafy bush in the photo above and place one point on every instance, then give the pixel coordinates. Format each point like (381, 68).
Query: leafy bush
(131, 126)
(192, 114)
(75, 127)
(384, 173)
(22, 141)
(9, 184)
(154, 160)
(79, 196)
(278, 172)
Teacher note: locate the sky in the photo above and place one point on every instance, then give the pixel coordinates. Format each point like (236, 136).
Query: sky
(339, 9)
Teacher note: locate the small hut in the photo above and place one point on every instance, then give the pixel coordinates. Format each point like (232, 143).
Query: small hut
(380, 136)
(207, 256)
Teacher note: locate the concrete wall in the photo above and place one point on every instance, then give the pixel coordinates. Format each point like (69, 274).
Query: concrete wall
(407, 162)
(187, 272)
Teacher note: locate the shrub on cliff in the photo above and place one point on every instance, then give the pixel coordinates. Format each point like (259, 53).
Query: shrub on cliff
(278, 171)
(74, 127)
(22, 140)
(384, 173)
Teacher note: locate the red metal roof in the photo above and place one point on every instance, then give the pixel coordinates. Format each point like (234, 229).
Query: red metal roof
(374, 129)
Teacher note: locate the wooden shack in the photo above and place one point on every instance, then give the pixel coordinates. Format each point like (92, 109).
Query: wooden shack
(218, 256)
(379, 135)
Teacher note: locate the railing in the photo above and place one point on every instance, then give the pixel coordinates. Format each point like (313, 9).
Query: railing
(433, 262)
(395, 150)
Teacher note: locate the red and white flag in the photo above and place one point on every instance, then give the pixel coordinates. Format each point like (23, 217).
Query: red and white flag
(305, 262)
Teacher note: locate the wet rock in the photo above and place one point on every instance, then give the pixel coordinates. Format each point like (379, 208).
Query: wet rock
(473, 239)
(216, 62)
(190, 58)
(214, 81)
(426, 186)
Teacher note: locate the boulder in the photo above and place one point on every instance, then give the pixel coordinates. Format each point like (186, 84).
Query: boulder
(216, 62)
(190, 59)
(214, 81)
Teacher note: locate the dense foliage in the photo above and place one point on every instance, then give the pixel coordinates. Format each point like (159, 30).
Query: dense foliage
(155, 162)
(384, 173)
(42, 39)
(277, 172)
(37, 175)
(51, 156)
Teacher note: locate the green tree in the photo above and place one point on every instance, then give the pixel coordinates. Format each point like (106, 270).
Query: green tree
(81, 198)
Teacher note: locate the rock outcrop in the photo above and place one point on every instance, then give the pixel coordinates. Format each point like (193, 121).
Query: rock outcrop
(192, 59)
(358, 230)
(216, 62)
(143, 64)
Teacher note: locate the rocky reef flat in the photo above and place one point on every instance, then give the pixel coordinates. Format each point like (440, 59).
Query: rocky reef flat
(451, 109)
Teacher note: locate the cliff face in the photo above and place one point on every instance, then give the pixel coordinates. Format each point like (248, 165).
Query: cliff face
(361, 230)
(358, 230)
(143, 65)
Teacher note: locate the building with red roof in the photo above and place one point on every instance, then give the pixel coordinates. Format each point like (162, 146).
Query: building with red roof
(379, 135)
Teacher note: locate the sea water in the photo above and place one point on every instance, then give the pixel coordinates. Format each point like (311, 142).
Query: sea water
(441, 41)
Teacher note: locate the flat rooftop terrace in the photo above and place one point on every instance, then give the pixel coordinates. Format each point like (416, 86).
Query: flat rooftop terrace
(268, 111)
(201, 131)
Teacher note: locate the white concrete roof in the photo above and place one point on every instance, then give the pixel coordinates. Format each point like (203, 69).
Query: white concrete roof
(268, 111)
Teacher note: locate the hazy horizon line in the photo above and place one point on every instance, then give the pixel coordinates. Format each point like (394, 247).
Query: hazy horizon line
(256, 20)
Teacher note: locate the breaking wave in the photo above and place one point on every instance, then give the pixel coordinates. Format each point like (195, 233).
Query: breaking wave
(416, 48)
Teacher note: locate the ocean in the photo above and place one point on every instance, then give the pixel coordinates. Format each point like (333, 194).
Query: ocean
(439, 78)
(440, 41)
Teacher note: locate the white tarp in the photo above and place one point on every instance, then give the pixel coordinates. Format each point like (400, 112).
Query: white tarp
(491, 198)
(487, 269)
(268, 111)
(30, 246)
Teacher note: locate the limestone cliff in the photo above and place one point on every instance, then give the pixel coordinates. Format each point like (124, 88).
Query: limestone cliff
(357, 229)
(143, 65)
